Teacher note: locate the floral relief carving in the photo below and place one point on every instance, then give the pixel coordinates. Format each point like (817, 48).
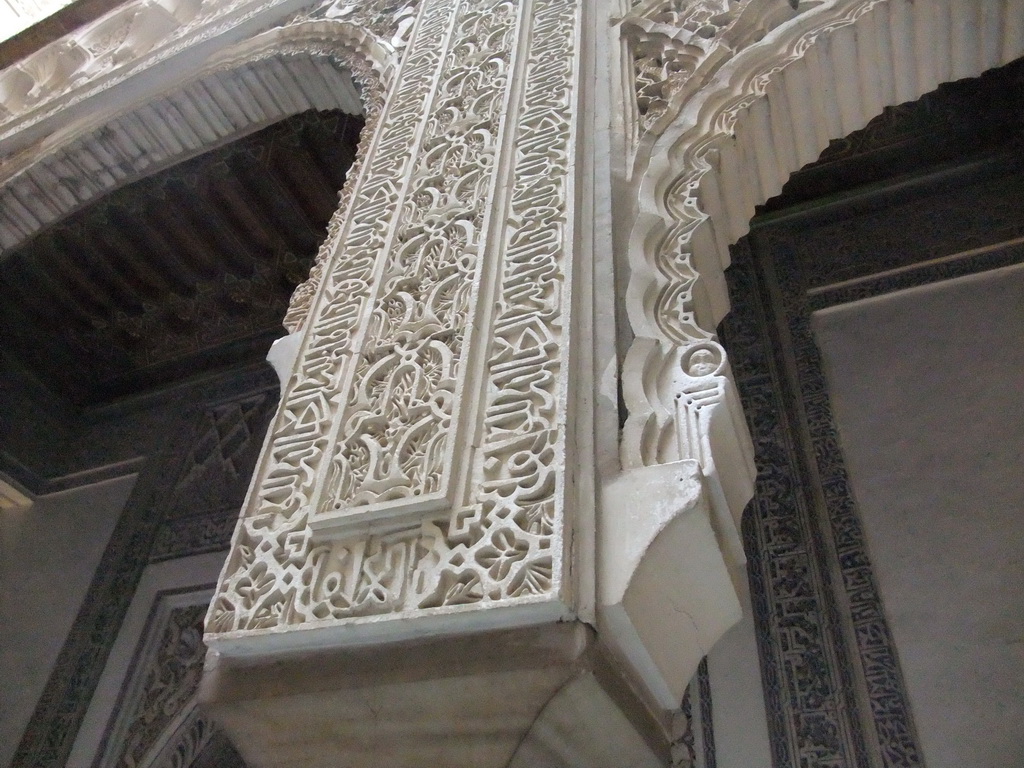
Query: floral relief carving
(401, 419)
(676, 292)
(302, 297)
(369, 426)
(675, 46)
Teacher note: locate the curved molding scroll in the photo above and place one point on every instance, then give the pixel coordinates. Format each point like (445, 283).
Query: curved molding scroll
(756, 118)
(309, 64)
(759, 95)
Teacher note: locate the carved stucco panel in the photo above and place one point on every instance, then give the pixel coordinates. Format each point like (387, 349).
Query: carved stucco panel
(402, 420)
(675, 46)
(272, 547)
(439, 325)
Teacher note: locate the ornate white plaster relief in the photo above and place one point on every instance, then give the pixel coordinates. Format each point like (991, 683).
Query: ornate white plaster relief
(307, 64)
(772, 108)
(673, 46)
(416, 465)
(729, 99)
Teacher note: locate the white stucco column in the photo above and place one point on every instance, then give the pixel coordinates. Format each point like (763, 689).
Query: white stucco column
(407, 585)
(414, 475)
(428, 563)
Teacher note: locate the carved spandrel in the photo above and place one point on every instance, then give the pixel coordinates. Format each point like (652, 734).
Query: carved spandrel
(675, 47)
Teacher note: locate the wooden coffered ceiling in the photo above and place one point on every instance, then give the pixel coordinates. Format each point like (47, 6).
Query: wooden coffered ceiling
(185, 272)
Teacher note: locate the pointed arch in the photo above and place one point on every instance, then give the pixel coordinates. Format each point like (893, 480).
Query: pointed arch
(309, 64)
(769, 109)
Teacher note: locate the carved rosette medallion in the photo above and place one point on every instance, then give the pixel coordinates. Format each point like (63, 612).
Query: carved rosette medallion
(416, 461)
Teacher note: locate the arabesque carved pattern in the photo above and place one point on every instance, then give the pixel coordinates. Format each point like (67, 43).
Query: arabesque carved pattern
(390, 20)
(676, 45)
(401, 421)
(513, 531)
(390, 356)
(272, 546)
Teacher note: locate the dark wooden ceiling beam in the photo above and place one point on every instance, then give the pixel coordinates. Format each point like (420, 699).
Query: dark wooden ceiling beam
(147, 244)
(245, 220)
(185, 271)
(296, 171)
(140, 272)
(104, 268)
(271, 202)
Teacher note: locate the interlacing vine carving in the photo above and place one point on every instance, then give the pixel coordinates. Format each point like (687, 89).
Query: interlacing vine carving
(401, 418)
(272, 559)
(417, 341)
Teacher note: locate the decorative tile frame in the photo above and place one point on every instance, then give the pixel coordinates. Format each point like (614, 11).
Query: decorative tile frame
(158, 694)
(833, 685)
(186, 417)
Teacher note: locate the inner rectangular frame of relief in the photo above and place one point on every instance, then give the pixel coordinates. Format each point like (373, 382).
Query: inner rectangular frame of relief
(468, 412)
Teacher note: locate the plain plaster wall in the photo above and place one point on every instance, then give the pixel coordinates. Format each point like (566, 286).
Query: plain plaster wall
(737, 698)
(48, 554)
(927, 386)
